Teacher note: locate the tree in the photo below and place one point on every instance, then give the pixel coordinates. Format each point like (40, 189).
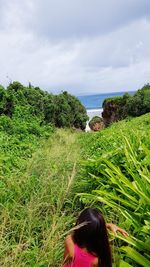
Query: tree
(3, 99)
(63, 110)
(118, 108)
(139, 103)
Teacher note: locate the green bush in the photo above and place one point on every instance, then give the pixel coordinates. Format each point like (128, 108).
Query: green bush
(6, 124)
(118, 108)
(139, 104)
(63, 110)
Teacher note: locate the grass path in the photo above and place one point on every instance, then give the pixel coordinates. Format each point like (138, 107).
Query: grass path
(35, 218)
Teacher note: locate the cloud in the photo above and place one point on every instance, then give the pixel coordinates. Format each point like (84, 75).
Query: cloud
(79, 46)
(68, 18)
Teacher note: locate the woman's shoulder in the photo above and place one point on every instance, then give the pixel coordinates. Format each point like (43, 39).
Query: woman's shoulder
(95, 262)
(69, 240)
(70, 250)
(69, 245)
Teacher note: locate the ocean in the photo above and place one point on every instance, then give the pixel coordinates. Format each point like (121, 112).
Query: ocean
(96, 101)
(93, 103)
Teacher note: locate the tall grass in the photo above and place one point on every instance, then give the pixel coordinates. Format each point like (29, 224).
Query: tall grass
(36, 191)
(119, 172)
(35, 209)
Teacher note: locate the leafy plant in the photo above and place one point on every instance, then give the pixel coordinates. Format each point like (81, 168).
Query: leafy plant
(120, 179)
(118, 108)
(62, 110)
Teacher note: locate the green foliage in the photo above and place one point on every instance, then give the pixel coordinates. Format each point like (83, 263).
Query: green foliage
(34, 185)
(5, 124)
(140, 103)
(118, 108)
(36, 208)
(19, 137)
(69, 112)
(63, 110)
(118, 181)
(35, 200)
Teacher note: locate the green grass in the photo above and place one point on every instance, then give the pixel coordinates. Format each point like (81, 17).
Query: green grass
(111, 138)
(35, 209)
(40, 178)
(117, 171)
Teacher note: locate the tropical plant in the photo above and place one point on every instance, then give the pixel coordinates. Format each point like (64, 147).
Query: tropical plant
(120, 179)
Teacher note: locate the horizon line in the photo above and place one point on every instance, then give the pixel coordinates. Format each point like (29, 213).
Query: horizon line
(114, 92)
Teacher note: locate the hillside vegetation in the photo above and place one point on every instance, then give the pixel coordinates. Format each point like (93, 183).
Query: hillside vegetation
(37, 167)
(47, 175)
(37, 195)
(36, 210)
(121, 107)
(62, 110)
(116, 173)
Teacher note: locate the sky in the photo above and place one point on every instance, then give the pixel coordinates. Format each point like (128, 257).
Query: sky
(82, 46)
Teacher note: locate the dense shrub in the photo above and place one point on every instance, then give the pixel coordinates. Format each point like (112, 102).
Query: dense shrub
(118, 108)
(139, 104)
(6, 123)
(63, 110)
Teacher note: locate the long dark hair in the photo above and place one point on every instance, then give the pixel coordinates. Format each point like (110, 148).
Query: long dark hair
(92, 235)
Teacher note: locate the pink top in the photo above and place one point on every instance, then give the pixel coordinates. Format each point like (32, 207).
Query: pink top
(81, 258)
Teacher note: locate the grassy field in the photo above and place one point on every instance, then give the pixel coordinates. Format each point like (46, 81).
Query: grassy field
(36, 211)
(40, 178)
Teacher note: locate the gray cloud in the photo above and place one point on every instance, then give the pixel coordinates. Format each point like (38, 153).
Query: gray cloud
(80, 46)
(69, 18)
